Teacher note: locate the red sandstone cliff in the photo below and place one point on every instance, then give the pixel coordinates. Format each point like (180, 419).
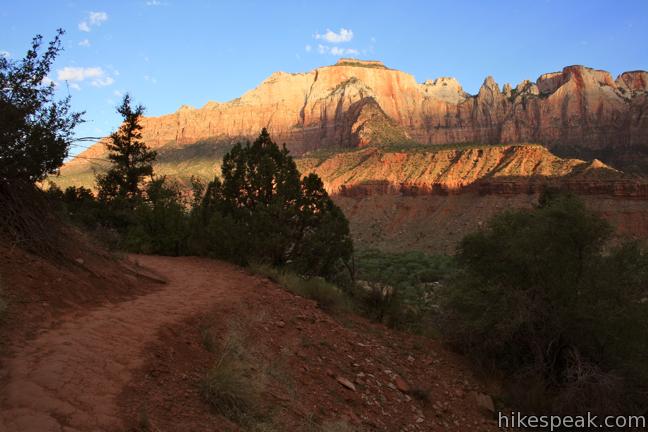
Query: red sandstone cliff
(577, 112)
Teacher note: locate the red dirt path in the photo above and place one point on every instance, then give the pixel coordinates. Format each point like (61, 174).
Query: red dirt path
(68, 377)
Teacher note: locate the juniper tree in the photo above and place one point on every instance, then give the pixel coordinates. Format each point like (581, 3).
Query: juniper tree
(261, 210)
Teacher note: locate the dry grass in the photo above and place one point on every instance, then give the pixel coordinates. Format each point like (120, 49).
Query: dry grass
(3, 307)
(3, 303)
(328, 297)
(233, 387)
(337, 426)
(30, 223)
(310, 424)
(233, 391)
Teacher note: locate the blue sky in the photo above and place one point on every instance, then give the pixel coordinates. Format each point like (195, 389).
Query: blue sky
(173, 52)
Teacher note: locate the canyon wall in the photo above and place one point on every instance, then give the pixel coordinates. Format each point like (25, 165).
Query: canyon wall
(579, 112)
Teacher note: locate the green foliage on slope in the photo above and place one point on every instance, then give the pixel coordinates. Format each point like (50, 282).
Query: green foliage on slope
(258, 210)
(542, 297)
(400, 289)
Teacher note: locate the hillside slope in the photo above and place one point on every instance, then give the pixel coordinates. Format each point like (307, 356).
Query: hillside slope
(414, 199)
(417, 170)
(141, 360)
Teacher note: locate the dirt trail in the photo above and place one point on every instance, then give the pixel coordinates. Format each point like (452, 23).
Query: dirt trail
(68, 377)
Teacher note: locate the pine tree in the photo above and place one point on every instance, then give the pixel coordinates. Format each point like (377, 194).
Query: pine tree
(131, 158)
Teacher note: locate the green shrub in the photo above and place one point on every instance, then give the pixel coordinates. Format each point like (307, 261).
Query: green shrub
(160, 222)
(328, 296)
(81, 206)
(261, 210)
(542, 298)
(220, 237)
(399, 289)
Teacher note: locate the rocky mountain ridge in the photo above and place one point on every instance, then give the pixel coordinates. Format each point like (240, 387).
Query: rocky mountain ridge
(578, 112)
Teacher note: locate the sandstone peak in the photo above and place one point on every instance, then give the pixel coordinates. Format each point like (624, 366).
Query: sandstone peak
(211, 105)
(634, 81)
(186, 107)
(443, 82)
(507, 90)
(489, 87)
(490, 82)
(581, 76)
(527, 87)
(446, 89)
(360, 63)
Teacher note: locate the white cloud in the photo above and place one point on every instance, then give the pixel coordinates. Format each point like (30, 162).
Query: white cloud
(153, 3)
(118, 93)
(69, 73)
(84, 43)
(343, 51)
(75, 75)
(5, 54)
(94, 19)
(308, 48)
(336, 51)
(344, 35)
(103, 81)
(151, 79)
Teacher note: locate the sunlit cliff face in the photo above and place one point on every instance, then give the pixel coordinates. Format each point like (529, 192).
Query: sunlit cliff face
(353, 103)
